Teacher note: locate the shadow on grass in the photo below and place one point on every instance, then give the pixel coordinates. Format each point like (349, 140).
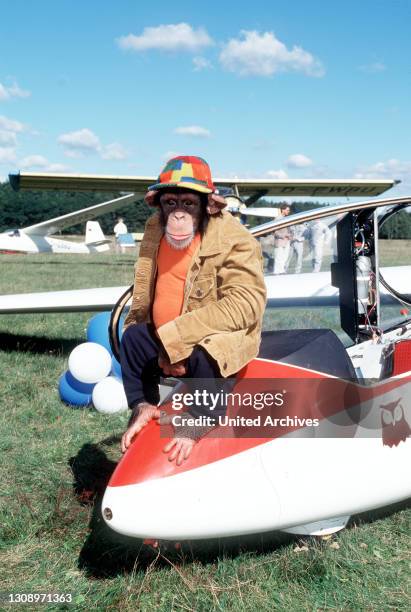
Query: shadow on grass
(105, 553)
(379, 513)
(37, 344)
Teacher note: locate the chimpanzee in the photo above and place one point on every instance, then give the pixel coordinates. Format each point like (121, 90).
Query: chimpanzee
(198, 301)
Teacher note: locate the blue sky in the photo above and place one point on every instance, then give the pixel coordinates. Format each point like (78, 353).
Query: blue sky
(292, 89)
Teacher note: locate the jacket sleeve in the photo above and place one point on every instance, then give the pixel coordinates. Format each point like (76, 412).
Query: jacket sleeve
(241, 302)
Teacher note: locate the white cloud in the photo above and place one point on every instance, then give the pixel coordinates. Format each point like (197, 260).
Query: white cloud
(392, 168)
(373, 68)
(80, 141)
(7, 138)
(201, 63)
(13, 91)
(7, 155)
(57, 168)
(16, 92)
(193, 130)
(277, 174)
(171, 37)
(73, 153)
(39, 161)
(3, 93)
(264, 55)
(33, 161)
(9, 128)
(113, 151)
(11, 125)
(85, 142)
(298, 160)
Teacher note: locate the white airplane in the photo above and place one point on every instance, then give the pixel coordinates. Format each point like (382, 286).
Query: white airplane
(298, 477)
(37, 238)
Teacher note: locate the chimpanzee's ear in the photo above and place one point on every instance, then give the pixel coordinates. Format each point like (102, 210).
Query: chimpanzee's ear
(150, 198)
(215, 204)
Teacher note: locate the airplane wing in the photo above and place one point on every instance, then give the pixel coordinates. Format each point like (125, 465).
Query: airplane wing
(284, 291)
(80, 216)
(247, 187)
(76, 300)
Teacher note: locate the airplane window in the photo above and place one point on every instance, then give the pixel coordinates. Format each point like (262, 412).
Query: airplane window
(300, 248)
(394, 246)
(297, 268)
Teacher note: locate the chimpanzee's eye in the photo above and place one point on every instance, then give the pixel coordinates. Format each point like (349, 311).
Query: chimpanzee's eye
(188, 203)
(170, 203)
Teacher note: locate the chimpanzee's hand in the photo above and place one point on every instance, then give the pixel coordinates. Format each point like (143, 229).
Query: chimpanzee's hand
(180, 449)
(146, 413)
(175, 369)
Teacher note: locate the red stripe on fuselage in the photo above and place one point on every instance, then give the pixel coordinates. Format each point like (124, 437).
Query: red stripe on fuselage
(145, 459)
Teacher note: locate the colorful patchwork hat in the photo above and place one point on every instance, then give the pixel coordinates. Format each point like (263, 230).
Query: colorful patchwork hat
(188, 172)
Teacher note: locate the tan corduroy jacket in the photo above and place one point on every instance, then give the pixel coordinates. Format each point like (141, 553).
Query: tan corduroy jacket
(224, 294)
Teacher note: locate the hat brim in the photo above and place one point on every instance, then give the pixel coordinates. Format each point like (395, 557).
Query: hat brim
(182, 185)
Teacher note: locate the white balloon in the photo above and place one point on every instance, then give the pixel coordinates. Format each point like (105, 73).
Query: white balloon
(109, 396)
(89, 362)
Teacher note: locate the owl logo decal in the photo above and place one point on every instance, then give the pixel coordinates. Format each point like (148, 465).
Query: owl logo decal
(395, 428)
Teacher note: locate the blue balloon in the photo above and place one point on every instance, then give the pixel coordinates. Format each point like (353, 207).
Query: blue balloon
(116, 368)
(73, 391)
(97, 330)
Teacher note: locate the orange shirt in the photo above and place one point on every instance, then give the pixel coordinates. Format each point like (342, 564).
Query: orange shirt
(172, 269)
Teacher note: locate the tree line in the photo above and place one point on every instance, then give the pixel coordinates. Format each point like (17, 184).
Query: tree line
(23, 208)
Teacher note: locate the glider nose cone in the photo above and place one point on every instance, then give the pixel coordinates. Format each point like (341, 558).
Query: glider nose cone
(143, 511)
(124, 510)
(189, 504)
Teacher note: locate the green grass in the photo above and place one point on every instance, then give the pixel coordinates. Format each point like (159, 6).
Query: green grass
(55, 462)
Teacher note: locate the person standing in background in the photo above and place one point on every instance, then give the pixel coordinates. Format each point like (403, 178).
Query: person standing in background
(298, 235)
(319, 234)
(282, 242)
(119, 229)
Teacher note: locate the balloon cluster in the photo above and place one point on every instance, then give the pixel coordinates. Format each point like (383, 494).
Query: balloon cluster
(94, 374)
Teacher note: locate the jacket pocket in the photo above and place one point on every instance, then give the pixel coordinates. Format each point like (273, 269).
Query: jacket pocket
(204, 290)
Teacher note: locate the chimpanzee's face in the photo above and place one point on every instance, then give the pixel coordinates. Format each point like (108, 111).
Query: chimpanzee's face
(181, 213)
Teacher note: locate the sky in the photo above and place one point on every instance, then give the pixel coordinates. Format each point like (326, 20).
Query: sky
(280, 89)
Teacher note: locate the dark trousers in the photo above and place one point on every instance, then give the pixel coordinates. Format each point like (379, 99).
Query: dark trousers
(139, 352)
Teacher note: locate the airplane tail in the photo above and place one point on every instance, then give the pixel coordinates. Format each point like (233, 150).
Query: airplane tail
(95, 237)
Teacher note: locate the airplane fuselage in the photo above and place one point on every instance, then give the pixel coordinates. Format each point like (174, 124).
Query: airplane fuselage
(20, 242)
(308, 477)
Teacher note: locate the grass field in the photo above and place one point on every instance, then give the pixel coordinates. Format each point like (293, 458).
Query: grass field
(56, 462)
